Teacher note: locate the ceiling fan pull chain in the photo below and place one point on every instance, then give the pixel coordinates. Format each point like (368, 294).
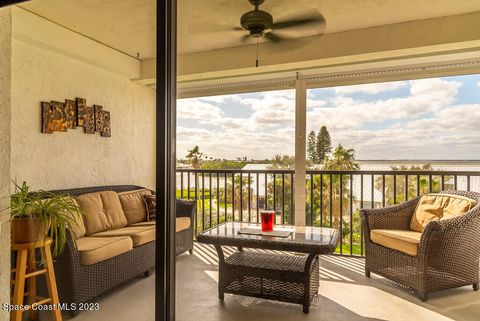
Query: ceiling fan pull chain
(256, 63)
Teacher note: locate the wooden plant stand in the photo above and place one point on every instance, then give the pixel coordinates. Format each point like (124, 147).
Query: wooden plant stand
(26, 273)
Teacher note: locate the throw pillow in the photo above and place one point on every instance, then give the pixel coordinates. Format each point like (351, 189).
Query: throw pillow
(151, 206)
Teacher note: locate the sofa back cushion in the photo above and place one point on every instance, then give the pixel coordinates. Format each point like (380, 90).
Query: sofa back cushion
(433, 207)
(78, 229)
(103, 211)
(134, 206)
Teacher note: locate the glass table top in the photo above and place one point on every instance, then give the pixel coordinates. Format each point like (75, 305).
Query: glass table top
(303, 239)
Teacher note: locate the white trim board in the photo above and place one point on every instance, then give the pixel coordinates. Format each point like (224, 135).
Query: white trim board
(405, 69)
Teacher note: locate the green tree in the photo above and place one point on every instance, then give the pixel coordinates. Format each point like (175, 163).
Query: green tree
(195, 158)
(223, 164)
(398, 184)
(241, 192)
(333, 192)
(282, 162)
(286, 206)
(324, 144)
(312, 147)
(343, 159)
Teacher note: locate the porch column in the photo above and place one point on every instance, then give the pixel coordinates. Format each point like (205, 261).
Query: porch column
(300, 149)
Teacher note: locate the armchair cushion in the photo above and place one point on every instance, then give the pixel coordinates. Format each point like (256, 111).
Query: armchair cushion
(433, 207)
(182, 223)
(400, 240)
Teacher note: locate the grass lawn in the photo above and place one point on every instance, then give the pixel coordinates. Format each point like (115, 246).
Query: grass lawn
(192, 193)
(356, 249)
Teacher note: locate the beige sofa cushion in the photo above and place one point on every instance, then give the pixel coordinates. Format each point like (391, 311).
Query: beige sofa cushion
(134, 206)
(403, 241)
(182, 223)
(96, 249)
(103, 211)
(145, 223)
(433, 207)
(78, 229)
(139, 234)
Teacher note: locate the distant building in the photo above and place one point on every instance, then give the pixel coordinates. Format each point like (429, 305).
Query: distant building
(256, 167)
(183, 166)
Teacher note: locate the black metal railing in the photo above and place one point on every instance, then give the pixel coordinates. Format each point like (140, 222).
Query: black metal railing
(333, 198)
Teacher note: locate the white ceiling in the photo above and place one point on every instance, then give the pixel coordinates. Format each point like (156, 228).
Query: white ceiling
(126, 25)
(129, 25)
(206, 24)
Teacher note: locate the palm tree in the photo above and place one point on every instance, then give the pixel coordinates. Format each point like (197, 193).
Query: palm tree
(240, 193)
(400, 184)
(195, 157)
(342, 159)
(286, 197)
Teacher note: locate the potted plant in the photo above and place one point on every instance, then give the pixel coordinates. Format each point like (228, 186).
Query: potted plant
(40, 215)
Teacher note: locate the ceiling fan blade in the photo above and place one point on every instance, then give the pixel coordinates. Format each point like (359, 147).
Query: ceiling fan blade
(245, 38)
(273, 37)
(299, 22)
(238, 29)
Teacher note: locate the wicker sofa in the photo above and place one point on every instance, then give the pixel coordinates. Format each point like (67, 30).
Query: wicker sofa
(95, 262)
(443, 254)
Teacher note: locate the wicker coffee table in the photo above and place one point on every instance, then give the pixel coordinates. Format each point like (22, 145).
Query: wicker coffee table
(287, 277)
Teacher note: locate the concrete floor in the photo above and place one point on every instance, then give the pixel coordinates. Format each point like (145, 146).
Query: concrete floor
(345, 294)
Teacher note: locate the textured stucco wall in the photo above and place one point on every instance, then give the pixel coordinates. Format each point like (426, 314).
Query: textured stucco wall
(5, 54)
(75, 159)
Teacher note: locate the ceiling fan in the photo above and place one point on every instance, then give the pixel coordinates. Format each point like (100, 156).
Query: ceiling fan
(260, 23)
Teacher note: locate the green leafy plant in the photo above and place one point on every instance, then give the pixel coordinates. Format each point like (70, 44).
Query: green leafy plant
(58, 212)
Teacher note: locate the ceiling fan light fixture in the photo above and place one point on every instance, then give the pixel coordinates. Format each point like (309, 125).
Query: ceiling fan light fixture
(256, 32)
(256, 21)
(260, 24)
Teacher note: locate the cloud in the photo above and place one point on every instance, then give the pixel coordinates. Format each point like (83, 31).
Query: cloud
(197, 109)
(426, 96)
(371, 89)
(451, 119)
(424, 122)
(268, 128)
(194, 134)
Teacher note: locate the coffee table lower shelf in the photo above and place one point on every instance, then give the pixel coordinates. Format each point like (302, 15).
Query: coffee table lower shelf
(273, 276)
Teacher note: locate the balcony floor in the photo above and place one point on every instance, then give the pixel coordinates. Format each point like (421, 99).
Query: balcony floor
(344, 294)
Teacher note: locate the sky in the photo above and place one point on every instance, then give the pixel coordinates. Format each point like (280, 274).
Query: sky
(435, 118)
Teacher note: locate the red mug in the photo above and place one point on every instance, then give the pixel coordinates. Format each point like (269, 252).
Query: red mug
(268, 217)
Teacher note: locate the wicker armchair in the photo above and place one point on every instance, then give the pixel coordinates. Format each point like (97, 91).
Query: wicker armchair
(448, 253)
